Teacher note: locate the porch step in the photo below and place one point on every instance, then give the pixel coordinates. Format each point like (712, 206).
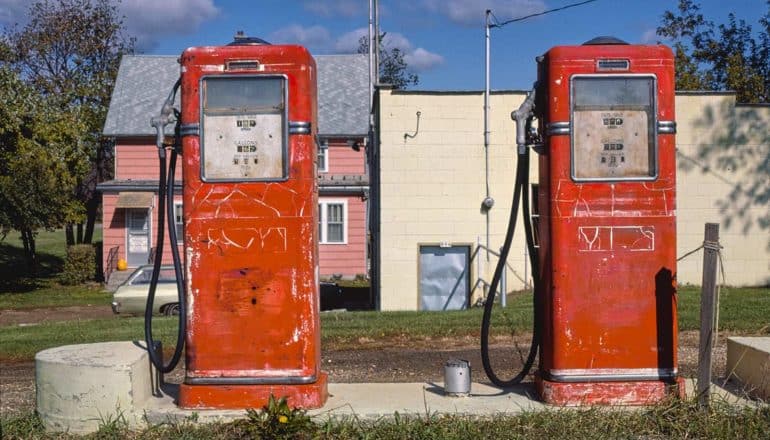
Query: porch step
(117, 277)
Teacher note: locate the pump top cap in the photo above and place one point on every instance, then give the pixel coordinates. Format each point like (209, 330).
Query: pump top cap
(604, 40)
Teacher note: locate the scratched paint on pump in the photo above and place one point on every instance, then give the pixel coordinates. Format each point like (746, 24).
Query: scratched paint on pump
(250, 213)
(607, 226)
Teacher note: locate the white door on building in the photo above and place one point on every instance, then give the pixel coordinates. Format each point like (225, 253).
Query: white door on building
(137, 236)
(444, 277)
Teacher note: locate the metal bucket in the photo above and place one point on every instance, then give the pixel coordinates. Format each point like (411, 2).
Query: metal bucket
(457, 378)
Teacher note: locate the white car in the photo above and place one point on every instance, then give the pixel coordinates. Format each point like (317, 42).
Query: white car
(131, 296)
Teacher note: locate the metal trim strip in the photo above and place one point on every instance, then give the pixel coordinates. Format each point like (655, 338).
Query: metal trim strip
(666, 127)
(299, 127)
(611, 374)
(278, 380)
(190, 129)
(558, 128)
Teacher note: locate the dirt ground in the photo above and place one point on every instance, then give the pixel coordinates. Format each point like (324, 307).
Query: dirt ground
(375, 361)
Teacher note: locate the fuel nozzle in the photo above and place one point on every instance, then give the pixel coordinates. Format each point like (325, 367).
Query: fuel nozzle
(521, 115)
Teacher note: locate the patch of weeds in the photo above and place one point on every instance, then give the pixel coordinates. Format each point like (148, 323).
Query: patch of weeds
(112, 426)
(277, 420)
(27, 426)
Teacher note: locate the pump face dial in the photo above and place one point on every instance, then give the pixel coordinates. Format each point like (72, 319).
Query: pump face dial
(244, 129)
(613, 122)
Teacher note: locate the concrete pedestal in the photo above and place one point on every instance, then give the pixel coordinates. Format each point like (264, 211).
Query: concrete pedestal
(80, 387)
(748, 362)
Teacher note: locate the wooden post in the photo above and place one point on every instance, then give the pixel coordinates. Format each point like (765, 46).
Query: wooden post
(707, 311)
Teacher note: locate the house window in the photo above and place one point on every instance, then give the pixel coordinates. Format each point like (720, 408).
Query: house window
(323, 156)
(178, 222)
(332, 221)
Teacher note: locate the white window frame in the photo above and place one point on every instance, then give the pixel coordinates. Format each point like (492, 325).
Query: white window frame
(179, 225)
(323, 158)
(323, 213)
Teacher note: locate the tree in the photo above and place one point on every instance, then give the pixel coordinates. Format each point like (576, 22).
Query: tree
(36, 141)
(393, 69)
(729, 56)
(724, 57)
(69, 53)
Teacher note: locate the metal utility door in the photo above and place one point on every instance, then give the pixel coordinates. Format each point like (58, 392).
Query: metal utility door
(444, 277)
(137, 236)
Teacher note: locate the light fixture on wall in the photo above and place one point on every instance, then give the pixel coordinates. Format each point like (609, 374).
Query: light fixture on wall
(354, 144)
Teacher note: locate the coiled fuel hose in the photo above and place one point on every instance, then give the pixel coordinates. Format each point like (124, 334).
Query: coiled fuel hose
(521, 184)
(166, 202)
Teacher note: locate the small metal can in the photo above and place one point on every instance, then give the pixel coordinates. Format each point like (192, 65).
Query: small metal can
(457, 378)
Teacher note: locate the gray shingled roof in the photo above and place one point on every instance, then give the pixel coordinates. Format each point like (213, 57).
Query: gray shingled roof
(343, 89)
(144, 81)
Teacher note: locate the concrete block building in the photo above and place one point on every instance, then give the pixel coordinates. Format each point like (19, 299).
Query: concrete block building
(431, 179)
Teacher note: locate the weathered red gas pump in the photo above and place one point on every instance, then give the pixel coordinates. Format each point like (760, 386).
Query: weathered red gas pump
(606, 288)
(247, 129)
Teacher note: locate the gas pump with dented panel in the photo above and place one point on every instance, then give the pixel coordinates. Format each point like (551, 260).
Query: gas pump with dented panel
(605, 296)
(247, 127)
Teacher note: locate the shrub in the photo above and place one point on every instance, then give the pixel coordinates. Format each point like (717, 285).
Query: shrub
(80, 265)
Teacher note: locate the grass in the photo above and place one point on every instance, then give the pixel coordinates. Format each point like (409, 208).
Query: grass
(673, 419)
(742, 311)
(56, 296)
(25, 288)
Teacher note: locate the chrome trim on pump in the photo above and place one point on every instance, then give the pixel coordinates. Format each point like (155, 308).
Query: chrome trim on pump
(299, 127)
(611, 375)
(558, 128)
(279, 380)
(190, 129)
(666, 127)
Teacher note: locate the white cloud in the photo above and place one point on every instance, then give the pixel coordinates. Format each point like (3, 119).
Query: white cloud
(421, 60)
(334, 8)
(418, 59)
(649, 36)
(149, 20)
(146, 20)
(349, 42)
(471, 12)
(313, 37)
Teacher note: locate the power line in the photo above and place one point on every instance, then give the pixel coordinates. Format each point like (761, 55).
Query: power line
(497, 24)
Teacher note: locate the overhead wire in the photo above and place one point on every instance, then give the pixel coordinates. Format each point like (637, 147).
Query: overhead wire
(537, 14)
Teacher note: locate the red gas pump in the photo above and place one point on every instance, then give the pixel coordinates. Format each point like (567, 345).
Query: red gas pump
(606, 288)
(247, 127)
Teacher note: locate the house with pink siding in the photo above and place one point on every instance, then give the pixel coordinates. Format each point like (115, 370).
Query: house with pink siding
(129, 200)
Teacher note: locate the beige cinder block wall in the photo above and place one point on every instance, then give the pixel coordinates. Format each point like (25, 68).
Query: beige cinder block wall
(722, 174)
(432, 185)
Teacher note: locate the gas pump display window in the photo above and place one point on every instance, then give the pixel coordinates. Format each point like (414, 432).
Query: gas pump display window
(244, 128)
(613, 127)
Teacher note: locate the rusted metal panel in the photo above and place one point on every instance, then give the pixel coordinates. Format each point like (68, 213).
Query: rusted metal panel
(251, 246)
(608, 245)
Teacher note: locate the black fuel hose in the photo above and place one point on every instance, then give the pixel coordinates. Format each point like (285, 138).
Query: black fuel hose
(166, 201)
(521, 184)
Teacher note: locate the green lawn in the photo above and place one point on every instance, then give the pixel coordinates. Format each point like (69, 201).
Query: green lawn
(22, 287)
(742, 310)
(17, 277)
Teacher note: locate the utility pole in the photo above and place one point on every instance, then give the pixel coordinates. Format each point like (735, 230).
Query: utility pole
(486, 122)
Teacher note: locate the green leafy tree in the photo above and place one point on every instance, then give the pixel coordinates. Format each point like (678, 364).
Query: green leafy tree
(36, 141)
(69, 53)
(393, 68)
(728, 56)
(725, 57)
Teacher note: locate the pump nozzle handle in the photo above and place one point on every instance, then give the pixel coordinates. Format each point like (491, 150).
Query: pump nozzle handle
(525, 111)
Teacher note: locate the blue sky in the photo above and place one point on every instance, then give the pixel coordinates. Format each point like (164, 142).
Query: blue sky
(443, 39)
